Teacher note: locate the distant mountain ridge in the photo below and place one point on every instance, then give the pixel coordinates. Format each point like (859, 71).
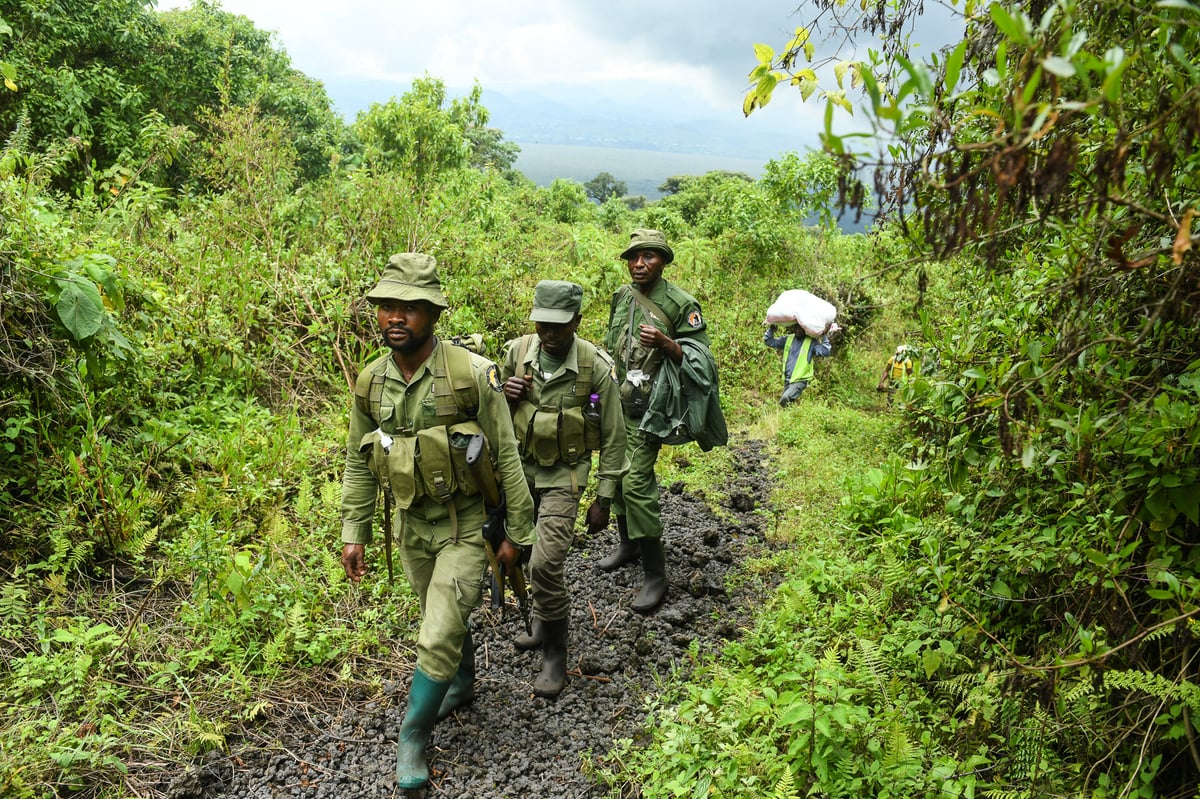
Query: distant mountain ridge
(626, 122)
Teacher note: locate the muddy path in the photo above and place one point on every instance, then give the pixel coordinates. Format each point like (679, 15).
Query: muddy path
(509, 743)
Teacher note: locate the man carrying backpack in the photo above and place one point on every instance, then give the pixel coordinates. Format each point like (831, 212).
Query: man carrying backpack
(650, 322)
(565, 405)
(413, 407)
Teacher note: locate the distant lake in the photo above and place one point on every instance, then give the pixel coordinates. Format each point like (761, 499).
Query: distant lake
(643, 171)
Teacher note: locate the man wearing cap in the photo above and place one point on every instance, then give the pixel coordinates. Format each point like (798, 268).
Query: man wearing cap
(563, 394)
(646, 320)
(430, 391)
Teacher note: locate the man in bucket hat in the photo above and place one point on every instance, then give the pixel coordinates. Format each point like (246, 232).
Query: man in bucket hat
(563, 395)
(427, 390)
(647, 318)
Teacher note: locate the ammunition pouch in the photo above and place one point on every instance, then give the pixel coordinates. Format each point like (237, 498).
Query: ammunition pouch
(548, 435)
(428, 464)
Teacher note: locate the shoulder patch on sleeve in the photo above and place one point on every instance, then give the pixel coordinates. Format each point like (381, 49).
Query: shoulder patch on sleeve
(493, 378)
(612, 372)
(694, 319)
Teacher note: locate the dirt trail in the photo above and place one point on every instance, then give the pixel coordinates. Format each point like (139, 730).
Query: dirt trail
(509, 743)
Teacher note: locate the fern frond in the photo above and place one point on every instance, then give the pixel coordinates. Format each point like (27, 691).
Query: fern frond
(1155, 685)
(786, 787)
(871, 662)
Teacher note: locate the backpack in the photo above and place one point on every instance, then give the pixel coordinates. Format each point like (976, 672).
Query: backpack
(456, 397)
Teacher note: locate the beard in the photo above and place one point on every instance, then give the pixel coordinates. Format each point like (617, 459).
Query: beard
(413, 342)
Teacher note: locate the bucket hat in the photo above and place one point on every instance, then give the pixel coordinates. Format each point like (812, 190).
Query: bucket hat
(556, 301)
(648, 239)
(409, 276)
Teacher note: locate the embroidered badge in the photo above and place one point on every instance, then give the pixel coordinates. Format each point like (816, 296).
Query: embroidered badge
(612, 372)
(493, 378)
(694, 319)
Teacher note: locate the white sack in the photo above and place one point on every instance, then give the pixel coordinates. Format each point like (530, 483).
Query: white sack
(796, 305)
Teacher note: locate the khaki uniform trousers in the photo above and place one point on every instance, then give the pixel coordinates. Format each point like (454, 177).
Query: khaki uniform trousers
(446, 573)
(555, 510)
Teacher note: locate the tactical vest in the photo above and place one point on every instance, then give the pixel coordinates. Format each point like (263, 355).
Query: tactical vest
(549, 433)
(430, 462)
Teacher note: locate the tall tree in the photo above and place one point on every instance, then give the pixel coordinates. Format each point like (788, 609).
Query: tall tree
(603, 186)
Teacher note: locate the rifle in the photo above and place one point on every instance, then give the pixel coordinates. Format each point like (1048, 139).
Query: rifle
(480, 466)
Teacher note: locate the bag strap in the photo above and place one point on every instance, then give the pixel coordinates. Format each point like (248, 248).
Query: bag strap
(649, 307)
(454, 389)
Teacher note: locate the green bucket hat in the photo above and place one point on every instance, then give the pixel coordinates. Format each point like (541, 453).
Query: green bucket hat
(556, 301)
(409, 276)
(647, 239)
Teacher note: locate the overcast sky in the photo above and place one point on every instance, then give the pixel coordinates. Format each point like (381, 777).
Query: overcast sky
(628, 57)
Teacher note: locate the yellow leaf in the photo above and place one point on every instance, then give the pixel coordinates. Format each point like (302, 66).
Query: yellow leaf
(764, 53)
(748, 104)
(807, 87)
(809, 49)
(12, 87)
(807, 74)
(839, 72)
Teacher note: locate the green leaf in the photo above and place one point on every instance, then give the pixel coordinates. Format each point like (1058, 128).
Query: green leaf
(80, 307)
(1010, 26)
(954, 66)
(1059, 66)
(931, 661)
(1186, 499)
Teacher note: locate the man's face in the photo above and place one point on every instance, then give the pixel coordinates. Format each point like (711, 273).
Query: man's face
(556, 338)
(406, 325)
(645, 268)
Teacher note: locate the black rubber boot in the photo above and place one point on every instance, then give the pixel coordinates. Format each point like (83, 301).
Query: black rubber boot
(626, 552)
(654, 583)
(424, 698)
(462, 687)
(554, 659)
(527, 642)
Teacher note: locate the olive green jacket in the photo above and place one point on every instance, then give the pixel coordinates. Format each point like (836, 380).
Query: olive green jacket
(408, 407)
(626, 314)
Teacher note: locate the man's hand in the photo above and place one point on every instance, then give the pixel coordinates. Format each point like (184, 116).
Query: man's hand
(509, 554)
(651, 337)
(514, 387)
(353, 561)
(597, 517)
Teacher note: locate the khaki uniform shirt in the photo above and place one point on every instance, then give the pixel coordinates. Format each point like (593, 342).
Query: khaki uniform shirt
(408, 407)
(612, 463)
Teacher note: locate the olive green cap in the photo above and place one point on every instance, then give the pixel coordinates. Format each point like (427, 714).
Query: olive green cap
(556, 301)
(409, 276)
(648, 239)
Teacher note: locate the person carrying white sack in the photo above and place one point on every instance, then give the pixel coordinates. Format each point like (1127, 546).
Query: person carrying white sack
(801, 342)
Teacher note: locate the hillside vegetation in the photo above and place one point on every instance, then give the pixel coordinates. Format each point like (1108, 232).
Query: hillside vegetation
(988, 589)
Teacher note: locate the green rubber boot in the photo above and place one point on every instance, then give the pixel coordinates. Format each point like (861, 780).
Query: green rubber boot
(654, 581)
(553, 677)
(424, 698)
(528, 642)
(626, 552)
(462, 687)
